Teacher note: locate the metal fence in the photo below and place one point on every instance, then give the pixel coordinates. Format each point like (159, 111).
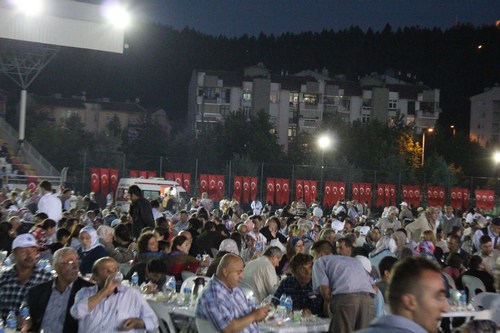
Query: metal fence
(80, 179)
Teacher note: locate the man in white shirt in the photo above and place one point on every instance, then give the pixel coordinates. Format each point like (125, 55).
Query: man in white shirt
(49, 203)
(256, 206)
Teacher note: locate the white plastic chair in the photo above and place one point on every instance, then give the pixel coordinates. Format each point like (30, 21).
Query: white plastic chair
(450, 280)
(484, 300)
(472, 284)
(189, 282)
(205, 326)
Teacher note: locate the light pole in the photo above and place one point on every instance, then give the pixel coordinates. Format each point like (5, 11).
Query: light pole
(496, 159)
(324, 142)
(429, 130)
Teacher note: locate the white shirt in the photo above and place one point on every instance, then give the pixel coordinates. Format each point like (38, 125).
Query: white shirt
(51, 205)
(256, 206)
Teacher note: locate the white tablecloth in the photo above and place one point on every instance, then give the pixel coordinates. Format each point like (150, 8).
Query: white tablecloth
(319, 325)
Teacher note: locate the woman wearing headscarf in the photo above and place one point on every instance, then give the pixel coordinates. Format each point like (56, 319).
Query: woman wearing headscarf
(226, 246)
(91, 249)
(121, 255)
(385, 247)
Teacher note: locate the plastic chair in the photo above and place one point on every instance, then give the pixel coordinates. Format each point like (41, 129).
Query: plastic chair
(484, 300)
(189, 282)
(205, 326)
(455, 295)
(472, 284)
(450, 280)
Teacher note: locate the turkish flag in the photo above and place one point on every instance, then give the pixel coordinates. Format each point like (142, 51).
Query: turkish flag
(381, 195)
(220, 188)
(356, 193)
(465, 198)
(435, 195)
(338, 190)
(392, 192)
(95, 180)
(307, 192)
(114, 177)
(143, 174)
(186, 182)
(204, 183)
(416, 195)
(313, 189)
(212, 186)
(31, 183)
(237, 185)
(270, 191)
(169, 176)
(327, 194)
(285, 191)
(246, 190)
(459, 197)
(104, 181)
(178, 178)
(485, 199)
(133, 174)
(253, 188)
(299, 189)
(368, 193)
(151, 174)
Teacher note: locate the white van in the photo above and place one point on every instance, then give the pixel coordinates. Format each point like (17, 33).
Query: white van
(152, 189)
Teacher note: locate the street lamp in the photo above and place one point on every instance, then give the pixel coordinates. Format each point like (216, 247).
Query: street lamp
(324, 142)
(429, 130)
(453, 129)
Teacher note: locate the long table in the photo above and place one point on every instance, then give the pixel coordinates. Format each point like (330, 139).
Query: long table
(165, 310)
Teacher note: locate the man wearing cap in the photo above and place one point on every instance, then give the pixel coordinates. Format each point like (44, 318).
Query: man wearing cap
(15, 283)
(493, 230)
(49, 203)
(405, 212)
(48, 300)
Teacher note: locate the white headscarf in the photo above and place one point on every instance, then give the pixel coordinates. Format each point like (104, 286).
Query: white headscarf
(94, 239)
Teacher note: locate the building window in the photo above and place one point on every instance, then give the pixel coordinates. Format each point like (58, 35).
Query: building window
(274, 97)
(247, 111)
(294, 98)
(393, 104)
(224, 110)
(292, 131)
(209, 93)
(365, 118)
(311, 99)
(70, 113)
(247, 95)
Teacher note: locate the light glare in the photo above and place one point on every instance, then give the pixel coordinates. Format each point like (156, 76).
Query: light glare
(496, 157)
(117, 15)
(324, 141)
(29, 7)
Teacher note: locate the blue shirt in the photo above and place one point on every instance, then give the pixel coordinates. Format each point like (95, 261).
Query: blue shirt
(303, 297)
(111, 312)
(221, 305)
(393, 324)
(344, 275)
(53, 319)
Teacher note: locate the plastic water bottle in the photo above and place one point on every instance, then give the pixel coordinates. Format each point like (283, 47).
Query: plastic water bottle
(462, 301)
(170, 286)
(283, 300)
(11, 323)
(289, 305)
(8, 263)
(24, 313)
(134, 280)
(187, 296)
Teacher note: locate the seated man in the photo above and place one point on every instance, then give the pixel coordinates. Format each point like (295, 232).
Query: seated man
(299, 286)
(416, 297)
(57, 294)
(16, 282)
(109, 306)
(260, 274)
(224, 304)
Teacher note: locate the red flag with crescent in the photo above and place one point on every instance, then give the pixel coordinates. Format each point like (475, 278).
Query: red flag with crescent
(278, 190)
(246, 190)
(237, 188)
(299, 189)
(381, 195)
(416, 195)
(253, 188)
(355, 191)
(114, 177)
(186, 182)
(169, 176)
(178, 178)
(313, 189)
(151, 174)
(485, 199)
(338, 192)
(104, 181)
(307, 191)
(212, 186)
(95, 180)
(270, 190)
(31, 183)
(285, 191)
(133, 174)
(204, 183)
(220, 187)
(143, 174)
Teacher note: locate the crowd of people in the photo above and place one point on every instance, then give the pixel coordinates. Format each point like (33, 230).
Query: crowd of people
(370, 273)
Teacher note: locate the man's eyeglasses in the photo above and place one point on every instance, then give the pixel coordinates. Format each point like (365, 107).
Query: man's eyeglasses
(70, 262)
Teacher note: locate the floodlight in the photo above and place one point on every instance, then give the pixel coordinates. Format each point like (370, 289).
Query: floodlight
(29, 7)
(117, 15)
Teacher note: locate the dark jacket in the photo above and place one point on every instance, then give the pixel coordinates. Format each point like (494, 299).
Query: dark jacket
(142, 216)
(38, 298)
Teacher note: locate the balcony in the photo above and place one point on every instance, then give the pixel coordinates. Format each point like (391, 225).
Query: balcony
(208, 117)
(311, 114)
(434, 115)
(309, 125)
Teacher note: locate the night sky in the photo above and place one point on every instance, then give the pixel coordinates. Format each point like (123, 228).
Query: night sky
(237, 17)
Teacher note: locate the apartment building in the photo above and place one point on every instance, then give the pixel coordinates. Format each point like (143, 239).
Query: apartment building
(300, 102)
(485, 116)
